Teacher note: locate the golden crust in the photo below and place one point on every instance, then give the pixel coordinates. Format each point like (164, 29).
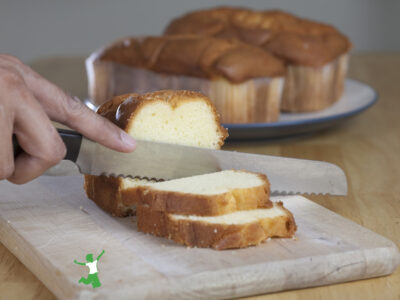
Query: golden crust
(295, 40)
(206, 205)
(106, 193)
(121, 110)
(217, 236)
(194, 55)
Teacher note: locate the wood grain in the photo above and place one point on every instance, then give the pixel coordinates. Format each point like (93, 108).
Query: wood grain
(366, 147)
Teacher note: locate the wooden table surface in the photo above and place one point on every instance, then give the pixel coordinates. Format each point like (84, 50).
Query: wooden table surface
(366, 147)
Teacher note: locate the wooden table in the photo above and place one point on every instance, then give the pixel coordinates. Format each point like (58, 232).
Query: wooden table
(366, 147)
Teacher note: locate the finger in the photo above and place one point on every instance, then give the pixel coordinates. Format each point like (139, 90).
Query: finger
(6, 149)
(72, 112)
(95, 127)
(42, 145)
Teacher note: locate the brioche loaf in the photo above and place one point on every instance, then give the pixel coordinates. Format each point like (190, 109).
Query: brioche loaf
(179, 117)
(209, 194)
(193, 55)
(293, 39)
(238, 229)
(315, 53)
(244, 82)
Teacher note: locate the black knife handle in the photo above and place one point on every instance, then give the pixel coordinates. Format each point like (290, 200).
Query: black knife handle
(71, 139)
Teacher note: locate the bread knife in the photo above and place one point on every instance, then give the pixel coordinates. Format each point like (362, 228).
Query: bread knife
(163, 161)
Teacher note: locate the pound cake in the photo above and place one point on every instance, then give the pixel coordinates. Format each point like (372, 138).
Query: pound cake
(178, 211)
(239, 229)
(244, 82)
(180, 117)
(222, 210)
(316, 54)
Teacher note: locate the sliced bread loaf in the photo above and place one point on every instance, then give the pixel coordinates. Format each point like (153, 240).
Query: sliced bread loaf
(180, 117)
(239, 229)
(209, 194)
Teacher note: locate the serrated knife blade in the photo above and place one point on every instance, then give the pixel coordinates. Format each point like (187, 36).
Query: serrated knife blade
(154, 160)
(170, 161)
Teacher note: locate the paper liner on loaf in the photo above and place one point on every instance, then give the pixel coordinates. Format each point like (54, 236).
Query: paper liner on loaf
(310, 88)
(255, 100)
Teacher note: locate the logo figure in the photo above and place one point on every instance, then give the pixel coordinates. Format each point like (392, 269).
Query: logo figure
(92, 277)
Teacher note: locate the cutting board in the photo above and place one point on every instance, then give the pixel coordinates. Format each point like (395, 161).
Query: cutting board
(49, 222)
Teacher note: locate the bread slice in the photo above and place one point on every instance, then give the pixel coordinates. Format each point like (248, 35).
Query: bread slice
(239, 229)
(209, 194)
(180, 117)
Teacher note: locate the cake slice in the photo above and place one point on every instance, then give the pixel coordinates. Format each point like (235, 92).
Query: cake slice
(238, 229)
(209, 194)
(179, 117)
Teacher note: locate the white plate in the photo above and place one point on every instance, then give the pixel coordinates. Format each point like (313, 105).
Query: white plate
(356, 98)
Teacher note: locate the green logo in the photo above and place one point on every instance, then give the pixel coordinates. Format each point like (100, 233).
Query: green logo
(92, 265)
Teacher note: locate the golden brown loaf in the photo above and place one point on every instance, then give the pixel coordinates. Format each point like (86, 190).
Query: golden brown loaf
(180, 117)
(293, 39)
(193, 55)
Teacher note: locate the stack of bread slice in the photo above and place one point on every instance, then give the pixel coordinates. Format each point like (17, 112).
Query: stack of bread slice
(222, 210)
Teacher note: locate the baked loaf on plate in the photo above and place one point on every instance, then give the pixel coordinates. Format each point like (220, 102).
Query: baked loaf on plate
(315, 53)
(244, 82)
(180, 117)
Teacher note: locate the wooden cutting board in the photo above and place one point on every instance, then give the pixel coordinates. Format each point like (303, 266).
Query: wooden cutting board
(49, 222)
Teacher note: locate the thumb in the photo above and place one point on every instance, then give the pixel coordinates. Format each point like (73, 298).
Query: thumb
(72, 112)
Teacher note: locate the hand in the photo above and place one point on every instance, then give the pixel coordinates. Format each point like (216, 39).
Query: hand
(27, 104)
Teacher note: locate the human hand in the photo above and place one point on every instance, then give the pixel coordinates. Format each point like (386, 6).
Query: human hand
(27, 104)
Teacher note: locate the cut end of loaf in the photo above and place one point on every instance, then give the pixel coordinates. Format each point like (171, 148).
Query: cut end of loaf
(190, 122)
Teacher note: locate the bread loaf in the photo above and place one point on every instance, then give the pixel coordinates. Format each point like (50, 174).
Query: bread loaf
(244, 82)
(316, 54)
(293, 39)
(192, 55)
(179, 117)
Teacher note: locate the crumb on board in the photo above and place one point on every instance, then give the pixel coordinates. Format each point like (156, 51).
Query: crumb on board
(83, 210)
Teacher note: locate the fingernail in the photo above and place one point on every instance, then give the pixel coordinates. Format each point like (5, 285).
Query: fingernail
(127, 139)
